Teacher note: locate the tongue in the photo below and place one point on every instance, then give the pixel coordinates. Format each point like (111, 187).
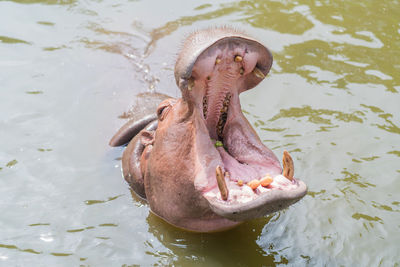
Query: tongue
(236, 169)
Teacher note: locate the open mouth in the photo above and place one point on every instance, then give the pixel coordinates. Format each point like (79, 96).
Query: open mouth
(247, 171)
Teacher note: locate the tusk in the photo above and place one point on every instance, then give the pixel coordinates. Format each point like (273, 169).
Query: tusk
(258, 73)
(288, 167)
(221, 183)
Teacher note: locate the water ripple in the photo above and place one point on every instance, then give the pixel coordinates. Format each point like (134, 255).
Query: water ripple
(316, 115)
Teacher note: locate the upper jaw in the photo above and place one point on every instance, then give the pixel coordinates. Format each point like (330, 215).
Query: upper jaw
(202, 43)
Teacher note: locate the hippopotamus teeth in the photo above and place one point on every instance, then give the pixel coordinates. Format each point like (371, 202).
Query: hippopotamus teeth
(288, 166)
(223, 116)
(254, 184)
(258, 73)
(221, 183)
(266, 180)
(205, 107)
(238, 58)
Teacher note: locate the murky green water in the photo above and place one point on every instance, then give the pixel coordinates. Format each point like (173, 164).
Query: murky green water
(69, 68)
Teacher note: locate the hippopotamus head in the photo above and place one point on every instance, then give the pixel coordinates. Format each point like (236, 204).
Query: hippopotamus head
(201, 166)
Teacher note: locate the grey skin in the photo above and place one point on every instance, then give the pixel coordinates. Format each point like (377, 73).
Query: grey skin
(171, 159)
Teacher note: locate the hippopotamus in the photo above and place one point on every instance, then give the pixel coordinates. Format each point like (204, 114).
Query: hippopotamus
(197, 160)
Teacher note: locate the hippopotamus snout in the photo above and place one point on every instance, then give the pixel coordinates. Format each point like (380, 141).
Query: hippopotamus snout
(201, 165)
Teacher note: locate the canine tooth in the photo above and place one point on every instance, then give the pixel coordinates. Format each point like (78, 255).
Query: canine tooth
(217, 61)
(288, 167)
(254, 184)
(258, 73)
(238, 58)
(221, 183)
(241, 71)
(240, 182)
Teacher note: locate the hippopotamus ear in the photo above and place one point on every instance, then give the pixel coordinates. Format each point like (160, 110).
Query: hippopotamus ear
(147, 137)
(141, 115)
(130, 129)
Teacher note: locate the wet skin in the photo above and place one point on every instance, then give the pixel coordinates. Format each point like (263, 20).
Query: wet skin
(197, 160)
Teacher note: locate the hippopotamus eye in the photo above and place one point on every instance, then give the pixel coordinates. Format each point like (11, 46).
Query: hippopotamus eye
(162, 110)
(165, 107)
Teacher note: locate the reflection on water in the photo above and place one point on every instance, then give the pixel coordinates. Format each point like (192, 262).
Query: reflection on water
(259, 14)
(235, 247)
(316, 115)
(91, 202)
(341, 61)
(70, 68)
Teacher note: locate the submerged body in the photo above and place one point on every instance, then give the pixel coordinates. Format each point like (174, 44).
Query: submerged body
(198, 161)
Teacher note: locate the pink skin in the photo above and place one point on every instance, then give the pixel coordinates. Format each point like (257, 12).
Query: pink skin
(174, 167)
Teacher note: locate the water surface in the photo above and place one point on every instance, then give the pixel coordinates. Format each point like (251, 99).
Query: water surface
(69, 68)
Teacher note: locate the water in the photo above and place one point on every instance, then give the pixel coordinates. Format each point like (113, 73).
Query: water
(69, 68)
